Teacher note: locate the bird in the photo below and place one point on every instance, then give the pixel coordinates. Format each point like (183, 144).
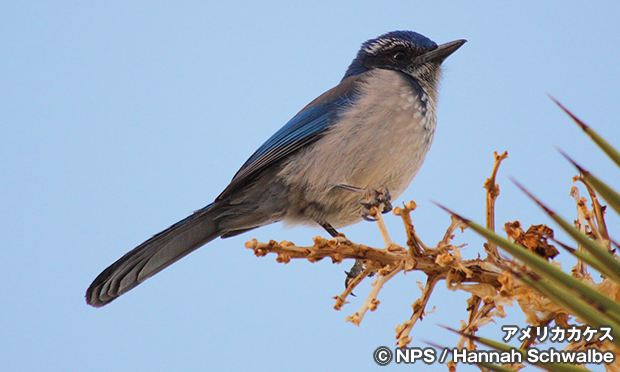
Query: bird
(357, 145)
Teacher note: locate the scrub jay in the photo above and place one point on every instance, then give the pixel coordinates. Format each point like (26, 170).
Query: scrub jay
(369, 134)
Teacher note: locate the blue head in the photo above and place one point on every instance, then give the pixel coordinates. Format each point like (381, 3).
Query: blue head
(404, 51)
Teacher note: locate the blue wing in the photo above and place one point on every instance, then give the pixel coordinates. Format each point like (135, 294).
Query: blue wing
(303, 129)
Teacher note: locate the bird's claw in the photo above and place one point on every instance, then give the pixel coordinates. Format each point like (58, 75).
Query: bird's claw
(375, 198)
(372, 197)
(357, 268)
(366, 216)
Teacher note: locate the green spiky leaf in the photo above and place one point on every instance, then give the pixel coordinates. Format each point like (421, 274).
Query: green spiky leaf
(602, 255)
(613, 154)
(547, 270)
(573, 304)
(559, 367)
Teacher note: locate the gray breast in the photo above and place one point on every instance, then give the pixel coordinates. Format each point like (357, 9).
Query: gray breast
(380, 140)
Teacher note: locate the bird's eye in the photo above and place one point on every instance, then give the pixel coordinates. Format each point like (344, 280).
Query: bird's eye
(399, 56)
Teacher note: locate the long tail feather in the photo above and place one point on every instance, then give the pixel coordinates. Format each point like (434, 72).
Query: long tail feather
(153, 256)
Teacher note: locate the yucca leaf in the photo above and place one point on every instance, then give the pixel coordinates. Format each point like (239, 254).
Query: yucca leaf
(575, 306)
(552, 367)
(595, 264)
(609, 194)
(560, 367)
(547, 270)
(599, 252)
(588, 259)
(604, 145)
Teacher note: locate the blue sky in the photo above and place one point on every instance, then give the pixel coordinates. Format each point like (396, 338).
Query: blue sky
(119, 118)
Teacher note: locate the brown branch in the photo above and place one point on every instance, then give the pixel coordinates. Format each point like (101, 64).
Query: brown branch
(374, 212)
(438, 263)
(492, 194)
(419, 306)
(337, 249)
(580, 224)
(599, 215)
(472, 324)
(342, 299)
(416, 247)
(340, 248)
(371, 302)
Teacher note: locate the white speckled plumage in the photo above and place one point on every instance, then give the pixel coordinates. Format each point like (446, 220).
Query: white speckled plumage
(380, 141)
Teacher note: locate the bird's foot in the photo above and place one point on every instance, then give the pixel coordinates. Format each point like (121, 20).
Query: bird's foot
(357, 269)
(372, 197)
(376, 197)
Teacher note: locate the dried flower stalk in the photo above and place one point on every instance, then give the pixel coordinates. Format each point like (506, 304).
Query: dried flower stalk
(492, 281)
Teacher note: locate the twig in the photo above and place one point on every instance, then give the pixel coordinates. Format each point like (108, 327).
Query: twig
(374, 212)
(340, 248)
(342, 299)
(455, 223)
(416, 247)
(473, 305)
(580, 223)
(492, 194)
(371, 302)
(599, 214)
(472, 326)
(403, 330)
(337, 249)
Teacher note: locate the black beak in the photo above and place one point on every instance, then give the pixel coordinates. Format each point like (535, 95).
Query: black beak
(442, 52)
